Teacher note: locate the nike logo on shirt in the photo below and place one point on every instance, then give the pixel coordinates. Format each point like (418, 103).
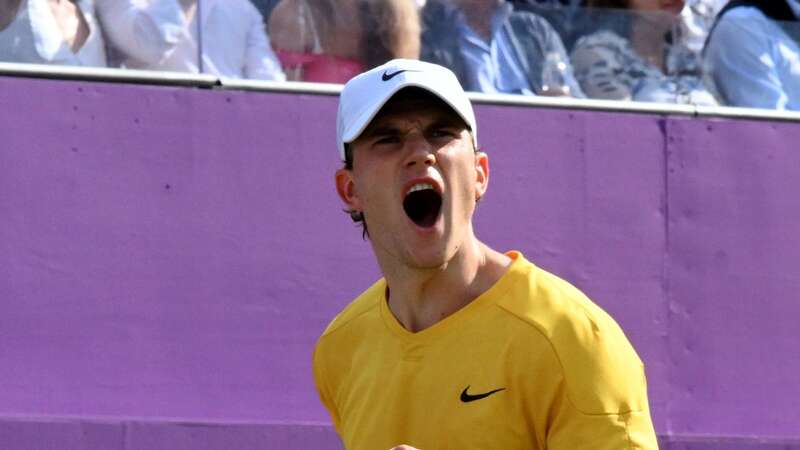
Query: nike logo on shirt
(466, 398)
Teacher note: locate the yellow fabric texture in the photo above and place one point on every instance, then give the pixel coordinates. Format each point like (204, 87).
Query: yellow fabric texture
(570, 379)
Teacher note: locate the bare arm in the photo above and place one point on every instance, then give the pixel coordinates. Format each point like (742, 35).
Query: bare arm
(145, 30)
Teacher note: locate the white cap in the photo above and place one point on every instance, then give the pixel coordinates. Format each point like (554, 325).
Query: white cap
(365, 94)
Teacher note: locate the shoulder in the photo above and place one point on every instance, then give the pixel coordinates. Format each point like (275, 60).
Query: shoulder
(601, 370)
(554, 306)
(346, 333)
(367, 301)
(740, 25)
(743, 13)
(743, 32)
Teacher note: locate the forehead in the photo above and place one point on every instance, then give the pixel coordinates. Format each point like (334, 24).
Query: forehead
(415, 102)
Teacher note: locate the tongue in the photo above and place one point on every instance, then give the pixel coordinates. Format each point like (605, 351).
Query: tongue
(423, 207)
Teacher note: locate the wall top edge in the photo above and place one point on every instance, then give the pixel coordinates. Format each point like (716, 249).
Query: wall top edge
(105, 74)
(291, 87)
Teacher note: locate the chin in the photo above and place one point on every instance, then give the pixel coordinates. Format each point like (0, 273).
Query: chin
(429, 259)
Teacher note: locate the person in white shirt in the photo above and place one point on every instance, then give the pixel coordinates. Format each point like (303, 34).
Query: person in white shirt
(225, 38)
(59, 32)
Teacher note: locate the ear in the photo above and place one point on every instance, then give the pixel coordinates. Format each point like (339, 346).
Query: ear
(346, 188)
(481, 174)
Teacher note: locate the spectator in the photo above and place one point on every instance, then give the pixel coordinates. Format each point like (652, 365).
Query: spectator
(494, 49)
(228, 39)
(642, 66)
(697, 18)
(752, 60)
(320, 41)
(48, 32)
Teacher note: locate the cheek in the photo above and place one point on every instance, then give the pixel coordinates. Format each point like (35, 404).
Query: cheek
(373, 190)
(464, 184)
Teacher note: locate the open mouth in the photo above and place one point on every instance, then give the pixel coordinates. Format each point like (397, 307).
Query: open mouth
(422, 205)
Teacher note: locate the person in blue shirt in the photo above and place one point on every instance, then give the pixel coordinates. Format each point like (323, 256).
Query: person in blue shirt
(494, 49)
(752, 56)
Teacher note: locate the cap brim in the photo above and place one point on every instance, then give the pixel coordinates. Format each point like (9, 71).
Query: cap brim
(365, 117)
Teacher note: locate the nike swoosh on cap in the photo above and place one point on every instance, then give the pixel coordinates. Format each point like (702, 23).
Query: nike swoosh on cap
(388, 76)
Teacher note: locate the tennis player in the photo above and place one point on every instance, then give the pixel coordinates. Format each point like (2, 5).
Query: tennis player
(458, 346)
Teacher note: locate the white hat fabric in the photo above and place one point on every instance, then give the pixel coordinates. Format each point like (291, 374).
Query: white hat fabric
(365, 94)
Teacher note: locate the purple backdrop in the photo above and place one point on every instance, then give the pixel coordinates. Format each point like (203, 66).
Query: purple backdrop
(168, 257)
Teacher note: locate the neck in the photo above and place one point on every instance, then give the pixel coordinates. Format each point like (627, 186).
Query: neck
(647, 37)
(419, 298)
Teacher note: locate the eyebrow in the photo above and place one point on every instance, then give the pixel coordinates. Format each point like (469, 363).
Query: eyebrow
(387, 129)
(449, 121)
(380, 130)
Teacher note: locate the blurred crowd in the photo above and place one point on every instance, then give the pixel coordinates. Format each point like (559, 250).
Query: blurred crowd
(701, 52)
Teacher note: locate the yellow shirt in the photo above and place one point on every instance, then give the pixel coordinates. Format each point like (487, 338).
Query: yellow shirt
(558, 371)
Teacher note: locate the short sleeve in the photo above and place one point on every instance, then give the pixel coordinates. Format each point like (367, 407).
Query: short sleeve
(602, 401)
(323, 387)
(574, 429)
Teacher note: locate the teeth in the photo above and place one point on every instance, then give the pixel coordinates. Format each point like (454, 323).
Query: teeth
(420, 187)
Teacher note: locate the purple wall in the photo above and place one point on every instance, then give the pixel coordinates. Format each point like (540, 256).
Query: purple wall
(168, 257)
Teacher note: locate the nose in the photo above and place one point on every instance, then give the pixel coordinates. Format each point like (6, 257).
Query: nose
(420, 151)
